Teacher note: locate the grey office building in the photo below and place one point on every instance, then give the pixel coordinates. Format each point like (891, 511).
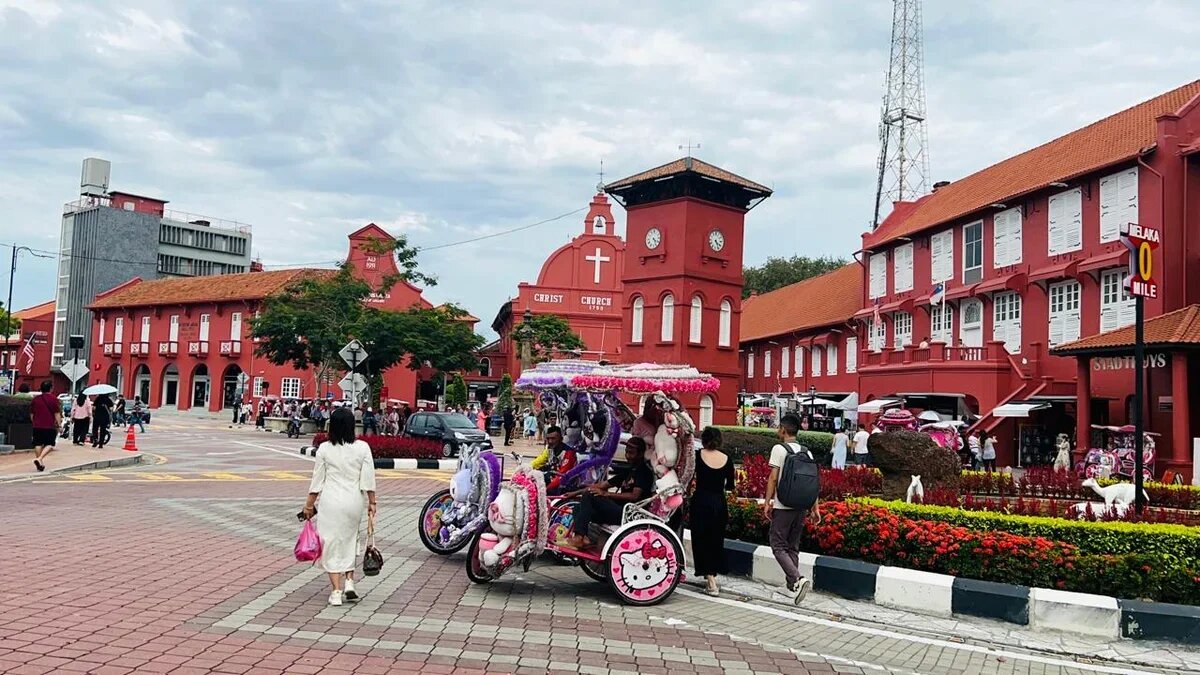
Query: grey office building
(110, 237)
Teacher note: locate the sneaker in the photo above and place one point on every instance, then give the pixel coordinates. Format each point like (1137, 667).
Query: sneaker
(335, 598)
(348, 590)
(38, 465)
(799, 590)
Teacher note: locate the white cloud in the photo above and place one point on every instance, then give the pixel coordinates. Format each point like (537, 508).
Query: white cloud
(448, 121)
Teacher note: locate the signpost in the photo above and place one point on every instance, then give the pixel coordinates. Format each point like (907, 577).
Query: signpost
(353, 354)
(75, 370)
(1141, 284)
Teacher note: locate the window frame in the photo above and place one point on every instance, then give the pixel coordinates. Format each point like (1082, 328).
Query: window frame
(667, 323)
(696, 320)
(900, 319)
(725, 327)
(967, 245)
(637, 319)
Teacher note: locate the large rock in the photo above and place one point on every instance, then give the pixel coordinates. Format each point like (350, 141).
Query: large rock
(900, 455)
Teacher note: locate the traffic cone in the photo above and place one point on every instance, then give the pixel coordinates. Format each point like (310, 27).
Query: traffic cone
(130, 440)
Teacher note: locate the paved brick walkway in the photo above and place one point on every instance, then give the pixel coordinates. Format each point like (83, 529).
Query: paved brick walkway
(196, 576)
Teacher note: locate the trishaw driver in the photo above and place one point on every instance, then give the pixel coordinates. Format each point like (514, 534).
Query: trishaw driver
(557, 459)
(598, 505)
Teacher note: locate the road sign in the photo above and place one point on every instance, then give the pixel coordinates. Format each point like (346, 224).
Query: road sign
(353, 353)
(353, 384)
(75, 369)
(243, 378)
(1141, 242)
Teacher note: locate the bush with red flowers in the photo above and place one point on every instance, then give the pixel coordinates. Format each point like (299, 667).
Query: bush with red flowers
(852, 481)
(395, 447)
(1045, 482)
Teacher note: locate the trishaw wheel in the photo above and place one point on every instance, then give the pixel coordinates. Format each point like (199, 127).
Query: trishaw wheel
(428, 526)
(594, 569)
(475, 570)
(644, 564)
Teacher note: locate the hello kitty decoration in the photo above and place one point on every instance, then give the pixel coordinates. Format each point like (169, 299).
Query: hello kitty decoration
(518, 521)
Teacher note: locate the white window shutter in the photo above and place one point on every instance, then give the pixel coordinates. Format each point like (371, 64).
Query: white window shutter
(783, 361)
(1015, 226)
(998, 326)
(941, 251)
(1127, 313)
(1071, 322)
(903, 274)
(1110, 213)
(851, 354)
(799, 361)
(1127, 196)
(816, 361)
(878, 275)
(1056, 231)
(1056, 329)
(1108, 318)
(831, 360)
(1073, 219)
(1000, 239)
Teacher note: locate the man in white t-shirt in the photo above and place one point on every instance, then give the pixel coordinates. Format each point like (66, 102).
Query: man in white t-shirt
(861, 456)
(787, 524)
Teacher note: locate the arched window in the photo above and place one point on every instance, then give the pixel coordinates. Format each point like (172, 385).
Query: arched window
(598, 225)
(726, 327)
(485, 367)
(668, 317)
(695, 329)
(639, 310)
(706, 411)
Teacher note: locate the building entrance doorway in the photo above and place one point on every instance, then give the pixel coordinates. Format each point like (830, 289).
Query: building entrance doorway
(200, 387)
(141, 384)
(970, 328)
(170, 387)
(230, 395)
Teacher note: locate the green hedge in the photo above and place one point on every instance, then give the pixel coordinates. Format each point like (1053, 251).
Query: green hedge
(1173, 542)
(742, 441)
(14, 410)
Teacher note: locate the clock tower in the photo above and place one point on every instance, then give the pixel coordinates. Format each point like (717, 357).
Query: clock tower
(682, 278)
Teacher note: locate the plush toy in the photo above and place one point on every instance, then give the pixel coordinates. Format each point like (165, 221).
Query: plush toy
(502, 517)
(460, 486)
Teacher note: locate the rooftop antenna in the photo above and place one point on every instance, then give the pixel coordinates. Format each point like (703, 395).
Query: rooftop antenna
(689, 147)
(903, 141)
(600, 185)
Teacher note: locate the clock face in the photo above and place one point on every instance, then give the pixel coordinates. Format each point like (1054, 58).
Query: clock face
(653, 238)
(716, 240)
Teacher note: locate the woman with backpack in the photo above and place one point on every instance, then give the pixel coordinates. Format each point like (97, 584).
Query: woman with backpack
(708, 511)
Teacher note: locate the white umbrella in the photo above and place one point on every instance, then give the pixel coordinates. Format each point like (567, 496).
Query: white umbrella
(97, 389)
(929, 416)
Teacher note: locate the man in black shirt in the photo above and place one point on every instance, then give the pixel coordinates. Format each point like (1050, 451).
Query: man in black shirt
(598, 505)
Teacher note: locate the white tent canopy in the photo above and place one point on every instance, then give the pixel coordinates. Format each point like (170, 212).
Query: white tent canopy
(877, 405)
(1019, 408)
(848, 404)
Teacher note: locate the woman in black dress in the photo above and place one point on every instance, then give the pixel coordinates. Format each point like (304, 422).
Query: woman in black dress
(101, 419)
(708, 513)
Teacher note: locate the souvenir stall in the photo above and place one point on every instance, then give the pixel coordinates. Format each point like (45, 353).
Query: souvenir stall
(1038, 423)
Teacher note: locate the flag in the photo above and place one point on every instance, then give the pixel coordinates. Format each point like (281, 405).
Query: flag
(27, 352)
(875, 316)
(939, 294)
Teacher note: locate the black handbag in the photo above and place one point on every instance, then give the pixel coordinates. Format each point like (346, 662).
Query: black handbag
(372, 558)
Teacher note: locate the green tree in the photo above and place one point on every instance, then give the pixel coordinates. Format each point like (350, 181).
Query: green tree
(456, 393)
(9, 324)
(504, 398)
(546, 335)
(779, 272)
(307, 323)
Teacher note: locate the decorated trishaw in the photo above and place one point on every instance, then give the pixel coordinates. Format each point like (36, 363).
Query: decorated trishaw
(642, 558)
(1114, 455)
(450, 517)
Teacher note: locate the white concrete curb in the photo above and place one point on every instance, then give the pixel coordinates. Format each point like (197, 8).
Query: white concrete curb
(1082, 612)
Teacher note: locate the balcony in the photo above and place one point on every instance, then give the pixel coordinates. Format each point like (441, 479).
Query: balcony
(231, 347)
(112, 349)
(168, 348)
(198, 348)
(141, 349)
(937, 354)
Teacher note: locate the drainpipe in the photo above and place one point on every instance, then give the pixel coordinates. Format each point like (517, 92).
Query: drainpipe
(1162, 206)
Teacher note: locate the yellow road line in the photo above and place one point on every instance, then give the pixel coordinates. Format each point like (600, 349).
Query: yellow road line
(157, 476)
(224, 475)
(86, 477)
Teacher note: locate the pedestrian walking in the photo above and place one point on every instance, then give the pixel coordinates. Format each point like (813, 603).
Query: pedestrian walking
(137, 415)
(81, 419)
(862, 456)
(841, 443)
(510, 421)
(101, 419)
(344, 473)
(370, 423)
(530, 425)
(787, 524)
(119, 410)
(708, 511)
(976, 450)
(989, 451)
(45, 412)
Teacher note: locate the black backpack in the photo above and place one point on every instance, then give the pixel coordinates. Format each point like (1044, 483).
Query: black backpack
(799, 479)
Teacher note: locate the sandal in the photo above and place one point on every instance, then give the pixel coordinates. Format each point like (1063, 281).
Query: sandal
(713, 591)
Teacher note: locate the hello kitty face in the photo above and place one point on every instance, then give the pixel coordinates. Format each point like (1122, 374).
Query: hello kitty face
(645, 568)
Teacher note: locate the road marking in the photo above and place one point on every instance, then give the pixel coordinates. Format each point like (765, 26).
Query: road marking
(223, 475)
(157, 476)
(293, 455)
(879, 632)
(286, 475)
(86, 477)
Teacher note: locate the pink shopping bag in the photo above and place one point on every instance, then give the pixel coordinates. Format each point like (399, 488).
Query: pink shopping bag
(308, 544)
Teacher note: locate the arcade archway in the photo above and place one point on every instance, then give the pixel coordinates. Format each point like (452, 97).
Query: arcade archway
(201, 387)
(141, 383)
(170, 387)
(230, 394)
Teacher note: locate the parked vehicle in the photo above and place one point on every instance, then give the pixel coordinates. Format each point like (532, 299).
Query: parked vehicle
(454, 430)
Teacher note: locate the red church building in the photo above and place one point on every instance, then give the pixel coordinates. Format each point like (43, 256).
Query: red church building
(183, 343)
(36, 331)
(580, 282)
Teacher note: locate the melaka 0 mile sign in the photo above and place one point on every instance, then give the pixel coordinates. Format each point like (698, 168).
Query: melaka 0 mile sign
(1141, 242)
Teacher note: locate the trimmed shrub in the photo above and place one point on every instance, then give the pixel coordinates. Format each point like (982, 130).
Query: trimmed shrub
(1177, 543)
(740, 442)
(395, 447)
(1043, 482)
(900, 455)
(14, 410)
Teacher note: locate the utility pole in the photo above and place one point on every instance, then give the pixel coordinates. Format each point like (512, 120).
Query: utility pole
(8, 328)
(903, 140)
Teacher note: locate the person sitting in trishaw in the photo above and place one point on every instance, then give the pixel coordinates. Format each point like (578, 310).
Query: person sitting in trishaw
(597, 505)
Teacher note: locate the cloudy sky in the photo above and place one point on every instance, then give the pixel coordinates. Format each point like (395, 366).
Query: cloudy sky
(449, 120)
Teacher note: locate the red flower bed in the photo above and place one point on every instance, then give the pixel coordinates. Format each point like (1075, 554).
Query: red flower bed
(395, 447)
(835, 483)
(1045, 482)
(877, 535)
(1057, 508)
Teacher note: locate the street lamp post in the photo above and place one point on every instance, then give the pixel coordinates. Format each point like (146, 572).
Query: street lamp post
(812, 403)
(12, 273)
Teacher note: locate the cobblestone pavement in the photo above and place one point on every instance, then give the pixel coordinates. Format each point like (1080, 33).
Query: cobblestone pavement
(193, 576)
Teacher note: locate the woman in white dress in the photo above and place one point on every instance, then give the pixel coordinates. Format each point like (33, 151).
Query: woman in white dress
(841, 443)
(344, 471)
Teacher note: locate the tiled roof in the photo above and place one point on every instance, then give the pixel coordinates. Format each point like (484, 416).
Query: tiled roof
(225, 287)
(35, 311)
(827, 300)
(689, 164)
(1181, 327)
(1112, 140)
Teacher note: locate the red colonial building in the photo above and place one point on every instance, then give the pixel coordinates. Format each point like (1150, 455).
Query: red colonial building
(183, 343)
(36, 322)
(580, 282)
(803, 337)
(968, 291)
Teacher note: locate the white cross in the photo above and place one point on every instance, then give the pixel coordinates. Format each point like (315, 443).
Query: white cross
(597, 258)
